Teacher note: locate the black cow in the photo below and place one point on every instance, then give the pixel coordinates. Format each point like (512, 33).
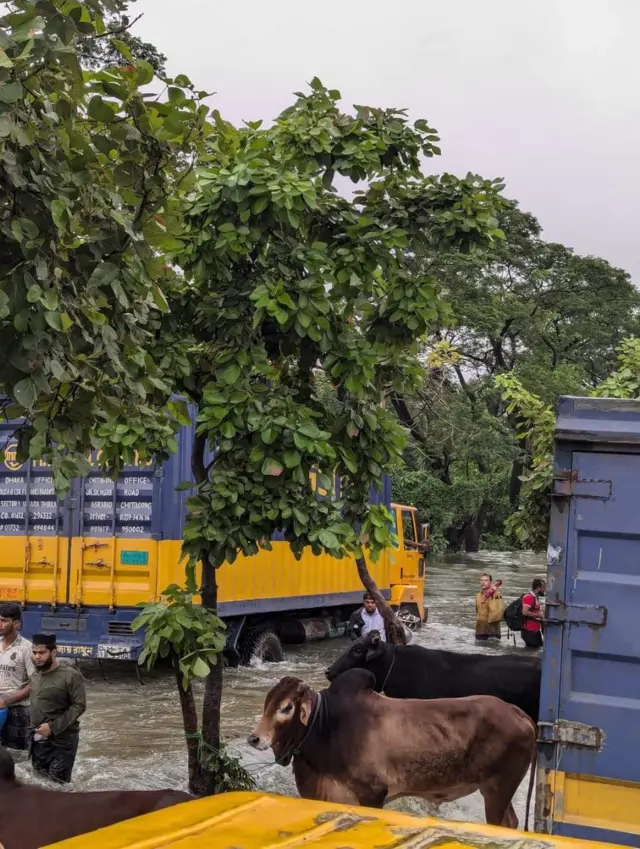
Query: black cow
(414, 672)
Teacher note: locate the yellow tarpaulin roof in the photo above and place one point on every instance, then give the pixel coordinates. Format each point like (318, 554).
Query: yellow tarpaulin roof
(261, 821)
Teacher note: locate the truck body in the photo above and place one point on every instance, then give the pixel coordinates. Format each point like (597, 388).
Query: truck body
(79, 567)
(588, 783)
(263, 821)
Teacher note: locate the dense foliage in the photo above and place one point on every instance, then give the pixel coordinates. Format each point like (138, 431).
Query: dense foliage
(530, 523)
(150, 252)
(536, 311)
(87, 164)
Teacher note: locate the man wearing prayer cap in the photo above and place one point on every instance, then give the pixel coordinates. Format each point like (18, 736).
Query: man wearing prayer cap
(57, 702)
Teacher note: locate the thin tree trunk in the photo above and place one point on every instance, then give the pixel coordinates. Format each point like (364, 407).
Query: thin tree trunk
(515, 484)
(190, 724)
(212, 701)
(394, 629)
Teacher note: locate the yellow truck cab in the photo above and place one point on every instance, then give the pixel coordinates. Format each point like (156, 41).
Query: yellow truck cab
(262, 821)
(408, 566)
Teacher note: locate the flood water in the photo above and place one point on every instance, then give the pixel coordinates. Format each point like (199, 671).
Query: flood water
(131, 735)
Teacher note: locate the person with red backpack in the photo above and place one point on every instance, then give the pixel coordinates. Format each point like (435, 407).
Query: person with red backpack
(531, 631)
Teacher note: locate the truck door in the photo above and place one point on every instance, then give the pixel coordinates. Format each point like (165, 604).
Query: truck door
(34, 533)
(115, 553)
(589, 766)
(412, 563)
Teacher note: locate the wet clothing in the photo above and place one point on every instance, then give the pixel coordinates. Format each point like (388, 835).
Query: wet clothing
(55, 759)
(57, 698)
(16, 668)
(486, 630)
(16, 733)
(532, 639)
(361, 623)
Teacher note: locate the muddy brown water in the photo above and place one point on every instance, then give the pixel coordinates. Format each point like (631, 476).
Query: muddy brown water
(132, 737)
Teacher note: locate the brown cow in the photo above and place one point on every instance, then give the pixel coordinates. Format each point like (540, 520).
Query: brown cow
(349, 744)
(31, 817)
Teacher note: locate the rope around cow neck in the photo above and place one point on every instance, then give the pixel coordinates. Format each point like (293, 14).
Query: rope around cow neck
(285, 759)
(388, 675)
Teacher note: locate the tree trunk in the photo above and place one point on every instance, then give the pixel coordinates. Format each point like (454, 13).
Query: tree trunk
(394, 629)
(212, 701)
(190, 723)
(515, 484)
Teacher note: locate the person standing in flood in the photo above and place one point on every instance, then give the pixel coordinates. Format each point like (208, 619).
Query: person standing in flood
(16, 668)
(489, 609)
(531, 632)
(58, 700)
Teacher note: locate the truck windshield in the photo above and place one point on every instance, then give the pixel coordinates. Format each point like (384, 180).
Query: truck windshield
(408, 527)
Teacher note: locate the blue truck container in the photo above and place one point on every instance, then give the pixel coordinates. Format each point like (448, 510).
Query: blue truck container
(589, 751)
(80, 566)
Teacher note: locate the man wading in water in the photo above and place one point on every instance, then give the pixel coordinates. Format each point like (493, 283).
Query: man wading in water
(368, 618)
(489, 609)
(57, 702)
(16, 668)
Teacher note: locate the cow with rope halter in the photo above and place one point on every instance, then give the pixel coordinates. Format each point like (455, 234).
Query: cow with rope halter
(348, 744)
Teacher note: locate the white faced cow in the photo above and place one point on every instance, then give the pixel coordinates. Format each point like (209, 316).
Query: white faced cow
(348, 744)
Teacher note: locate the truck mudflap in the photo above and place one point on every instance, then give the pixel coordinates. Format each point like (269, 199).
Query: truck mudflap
(262, 821)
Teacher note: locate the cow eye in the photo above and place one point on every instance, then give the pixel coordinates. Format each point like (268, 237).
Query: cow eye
(286, 709)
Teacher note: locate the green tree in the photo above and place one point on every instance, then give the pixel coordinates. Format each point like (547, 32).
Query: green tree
(528, 307)
(112, 301)
(530, 523)
(301, 319)
(97, 51)
(87, 166)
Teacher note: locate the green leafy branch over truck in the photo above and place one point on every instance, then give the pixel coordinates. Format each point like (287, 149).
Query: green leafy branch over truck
(151, 250)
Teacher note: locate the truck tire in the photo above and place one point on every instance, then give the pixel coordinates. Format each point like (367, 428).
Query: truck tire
(261, 645)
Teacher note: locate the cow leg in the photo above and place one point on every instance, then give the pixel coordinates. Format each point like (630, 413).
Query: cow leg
(329, 790)
(498, 809)
(510, 820)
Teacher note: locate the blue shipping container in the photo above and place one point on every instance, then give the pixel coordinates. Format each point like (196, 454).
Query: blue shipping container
(589, 755)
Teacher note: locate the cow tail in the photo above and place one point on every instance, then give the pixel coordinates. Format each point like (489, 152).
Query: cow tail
(532, 777)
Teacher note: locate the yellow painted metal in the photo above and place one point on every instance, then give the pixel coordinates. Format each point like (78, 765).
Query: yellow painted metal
(261, 821)
(276, 574)
(33, 569)
(594, 802)
(99, 577)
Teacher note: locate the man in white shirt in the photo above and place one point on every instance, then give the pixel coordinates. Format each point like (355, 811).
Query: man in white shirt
(367, 619)
(16, 668)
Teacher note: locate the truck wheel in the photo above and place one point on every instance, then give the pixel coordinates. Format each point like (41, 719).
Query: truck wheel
(261, 645)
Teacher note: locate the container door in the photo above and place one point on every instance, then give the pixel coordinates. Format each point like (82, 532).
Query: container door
(34, 534)
(590, 712)
(115, 554)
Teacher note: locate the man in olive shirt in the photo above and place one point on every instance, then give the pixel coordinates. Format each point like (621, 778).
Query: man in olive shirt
(57, 702)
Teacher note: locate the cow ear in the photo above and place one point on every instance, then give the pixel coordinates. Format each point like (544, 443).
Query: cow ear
(305, 704)
(304, 712)
(376, 647)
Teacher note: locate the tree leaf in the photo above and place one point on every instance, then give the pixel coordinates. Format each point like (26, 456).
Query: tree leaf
(200, 668)
(231, 374)
(272, 468)
(100, 110)
(25, 393)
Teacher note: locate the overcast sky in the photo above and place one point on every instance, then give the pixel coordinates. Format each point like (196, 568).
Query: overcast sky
(545, 93)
